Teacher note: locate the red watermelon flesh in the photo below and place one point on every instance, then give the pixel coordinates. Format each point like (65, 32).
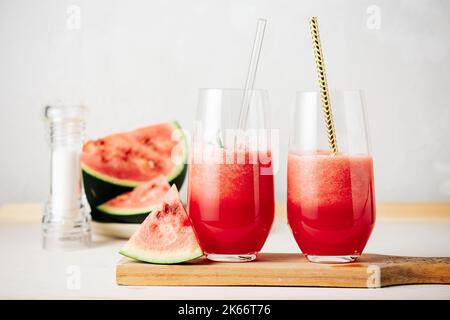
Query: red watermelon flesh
(143, 199)
(135, 156)
(166, 235)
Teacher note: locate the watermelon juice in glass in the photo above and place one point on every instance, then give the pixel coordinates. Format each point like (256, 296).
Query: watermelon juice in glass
(331, 200)
(231, 193)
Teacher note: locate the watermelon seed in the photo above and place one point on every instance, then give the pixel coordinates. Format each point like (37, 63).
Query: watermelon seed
(147, 141)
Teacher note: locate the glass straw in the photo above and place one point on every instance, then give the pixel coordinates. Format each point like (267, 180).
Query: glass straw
(253, 67)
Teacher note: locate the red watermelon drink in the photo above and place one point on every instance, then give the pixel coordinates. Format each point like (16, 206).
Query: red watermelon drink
(331, 205)
(231, 206)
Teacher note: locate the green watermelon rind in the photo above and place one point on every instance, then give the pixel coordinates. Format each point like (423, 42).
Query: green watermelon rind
(99, 191)
(125, 211)
(156, 257)
(180, 170)
(109, 179)
(103, 217)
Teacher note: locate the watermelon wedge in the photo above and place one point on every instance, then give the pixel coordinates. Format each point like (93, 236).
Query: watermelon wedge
(166, 235)
(134, 206)
(118, 163)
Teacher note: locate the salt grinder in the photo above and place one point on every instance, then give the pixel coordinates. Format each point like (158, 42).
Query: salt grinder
(66, 223)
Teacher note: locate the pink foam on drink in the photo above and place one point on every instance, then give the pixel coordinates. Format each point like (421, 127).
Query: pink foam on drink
(331, 207)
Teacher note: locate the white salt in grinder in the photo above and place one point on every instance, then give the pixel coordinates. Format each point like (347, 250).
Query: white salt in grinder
(66, 223)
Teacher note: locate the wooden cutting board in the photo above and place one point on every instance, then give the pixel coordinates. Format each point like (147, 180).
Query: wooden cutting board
(290, 270)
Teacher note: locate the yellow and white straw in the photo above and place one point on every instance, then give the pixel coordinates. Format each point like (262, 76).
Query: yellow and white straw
(323, 85)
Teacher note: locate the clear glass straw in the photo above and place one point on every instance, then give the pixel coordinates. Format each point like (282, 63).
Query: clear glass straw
(253, 67)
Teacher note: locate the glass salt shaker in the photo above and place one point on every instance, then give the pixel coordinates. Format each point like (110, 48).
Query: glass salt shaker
(66, 223)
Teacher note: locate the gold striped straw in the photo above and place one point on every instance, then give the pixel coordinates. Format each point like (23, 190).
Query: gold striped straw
(322, 77)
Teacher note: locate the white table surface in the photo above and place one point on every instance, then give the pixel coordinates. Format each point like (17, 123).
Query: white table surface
(28, 272)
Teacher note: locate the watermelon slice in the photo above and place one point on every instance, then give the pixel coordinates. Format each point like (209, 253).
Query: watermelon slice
(120, 162)
(166, 235)
(134, 206)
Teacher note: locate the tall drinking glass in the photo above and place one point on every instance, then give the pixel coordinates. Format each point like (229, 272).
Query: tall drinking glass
(231, 193)
(331, 200)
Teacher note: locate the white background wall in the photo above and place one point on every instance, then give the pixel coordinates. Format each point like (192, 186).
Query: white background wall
(135, 63)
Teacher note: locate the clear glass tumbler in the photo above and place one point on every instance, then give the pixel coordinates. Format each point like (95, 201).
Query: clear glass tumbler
(331, 197)
(231, 192)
